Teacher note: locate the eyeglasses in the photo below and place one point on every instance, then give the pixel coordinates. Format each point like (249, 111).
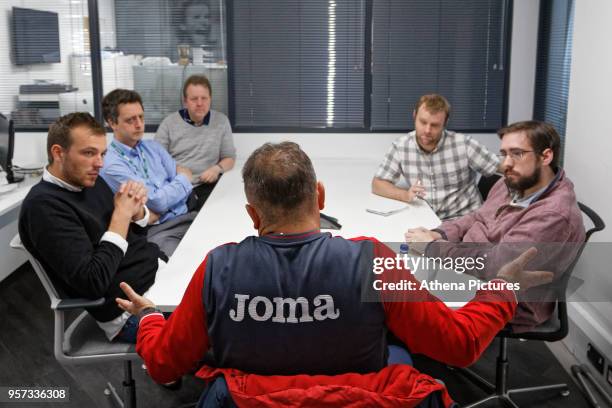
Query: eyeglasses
(515, 155)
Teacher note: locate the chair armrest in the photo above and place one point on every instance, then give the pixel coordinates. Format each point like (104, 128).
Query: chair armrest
(67, 304)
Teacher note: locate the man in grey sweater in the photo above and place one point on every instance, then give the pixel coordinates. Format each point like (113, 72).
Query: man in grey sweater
(199, 138)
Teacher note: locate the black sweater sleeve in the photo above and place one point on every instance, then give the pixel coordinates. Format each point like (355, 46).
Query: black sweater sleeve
(59, 239)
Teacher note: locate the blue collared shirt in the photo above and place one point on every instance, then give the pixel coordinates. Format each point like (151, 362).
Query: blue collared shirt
(151, 165)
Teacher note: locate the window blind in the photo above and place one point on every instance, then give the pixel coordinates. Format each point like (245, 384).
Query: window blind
(297, 64)
(554, 63)
(454, 48)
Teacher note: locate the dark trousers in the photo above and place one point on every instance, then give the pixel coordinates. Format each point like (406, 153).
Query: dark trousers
(216, 395)
(201, 194)
(400, 355)
(434, 400)
(168, 234)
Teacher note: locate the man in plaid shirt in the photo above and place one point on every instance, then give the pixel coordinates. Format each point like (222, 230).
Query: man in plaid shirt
(438, 164)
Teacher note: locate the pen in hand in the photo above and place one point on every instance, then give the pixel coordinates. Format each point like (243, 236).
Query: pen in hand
(419, 188)
(420, 194)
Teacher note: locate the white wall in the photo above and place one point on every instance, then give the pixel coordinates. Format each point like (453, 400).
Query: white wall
(524, 49)
(588, 161)
(525, 23)
(589, 144)
(70, 14)
(106, 17)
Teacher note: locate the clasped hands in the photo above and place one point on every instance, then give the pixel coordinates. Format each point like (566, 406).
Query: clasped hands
(130, 199)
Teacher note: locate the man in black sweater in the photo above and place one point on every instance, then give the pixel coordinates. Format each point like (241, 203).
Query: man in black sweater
(87, 239)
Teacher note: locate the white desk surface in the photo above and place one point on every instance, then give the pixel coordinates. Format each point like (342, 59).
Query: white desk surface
(224, 219)
(12, 199)
(16, 193)
(10, 203)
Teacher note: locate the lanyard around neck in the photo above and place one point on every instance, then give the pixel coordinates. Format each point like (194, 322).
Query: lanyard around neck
(141, 170)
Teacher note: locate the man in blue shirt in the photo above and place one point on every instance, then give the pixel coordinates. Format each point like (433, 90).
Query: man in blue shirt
(129, 157)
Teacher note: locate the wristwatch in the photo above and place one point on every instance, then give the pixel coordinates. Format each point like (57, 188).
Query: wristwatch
(147, 311)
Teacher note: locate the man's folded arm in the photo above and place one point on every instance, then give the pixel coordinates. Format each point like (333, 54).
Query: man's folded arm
(63, 244)
(159, 201)
(454, 230)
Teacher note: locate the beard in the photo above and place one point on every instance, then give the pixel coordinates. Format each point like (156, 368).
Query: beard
(75, 176)
(525, 182)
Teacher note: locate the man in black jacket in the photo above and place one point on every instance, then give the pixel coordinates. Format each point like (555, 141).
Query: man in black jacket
(87, 239)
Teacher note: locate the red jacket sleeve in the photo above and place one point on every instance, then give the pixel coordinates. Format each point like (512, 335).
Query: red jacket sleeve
(175, 347)
(427, 326)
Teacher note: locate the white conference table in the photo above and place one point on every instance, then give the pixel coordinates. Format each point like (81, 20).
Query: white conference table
(224, 219)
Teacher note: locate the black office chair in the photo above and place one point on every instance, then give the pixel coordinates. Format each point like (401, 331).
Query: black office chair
(554, 329)
(83, 341)
(486, 183)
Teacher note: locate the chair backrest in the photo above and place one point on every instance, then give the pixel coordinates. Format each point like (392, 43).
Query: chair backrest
(83, 341)
(560, 324)
(597, 223)
(486, 183)
(40, 272)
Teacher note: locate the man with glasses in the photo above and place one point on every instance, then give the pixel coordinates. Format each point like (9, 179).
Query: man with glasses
(439, 165)
(533, 203)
